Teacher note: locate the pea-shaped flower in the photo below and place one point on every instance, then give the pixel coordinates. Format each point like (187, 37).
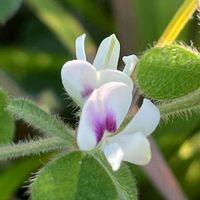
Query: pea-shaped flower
(80, 78)
(103, 114)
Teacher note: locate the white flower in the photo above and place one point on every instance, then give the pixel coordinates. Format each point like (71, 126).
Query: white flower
(101, 117)
(80, 78)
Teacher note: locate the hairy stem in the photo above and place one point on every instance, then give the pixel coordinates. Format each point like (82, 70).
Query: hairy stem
(188, 103)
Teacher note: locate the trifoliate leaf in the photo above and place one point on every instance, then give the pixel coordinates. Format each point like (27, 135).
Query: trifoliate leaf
(81, 176)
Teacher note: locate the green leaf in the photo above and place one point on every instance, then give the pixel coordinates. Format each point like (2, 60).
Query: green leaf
(123, 179)
(8, 8)
(36, 60)
(42, 67)
(35, 116)
(63, 24)
(6, 120)
(168, 72)
(99, 17)
(32, 147)
(73, 176)
(80, 176)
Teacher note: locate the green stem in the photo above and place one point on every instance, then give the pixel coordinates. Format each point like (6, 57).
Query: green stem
(188, 103)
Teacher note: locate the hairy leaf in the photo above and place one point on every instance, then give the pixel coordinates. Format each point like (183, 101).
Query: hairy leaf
(81, 176)
(168, 72)
(35, 116)
(32, 147)
(123, 179)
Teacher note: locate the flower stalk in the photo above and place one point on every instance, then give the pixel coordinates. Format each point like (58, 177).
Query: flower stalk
(179, 21)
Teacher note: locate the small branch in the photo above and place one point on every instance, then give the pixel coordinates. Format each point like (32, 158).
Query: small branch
(182, 105)
(33, 147)
(179, 21)
(162, 176)
(136, 102)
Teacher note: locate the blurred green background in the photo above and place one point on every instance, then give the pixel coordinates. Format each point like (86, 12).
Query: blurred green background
(38, 36)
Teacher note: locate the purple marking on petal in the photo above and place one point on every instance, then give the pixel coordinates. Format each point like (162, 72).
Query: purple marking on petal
(102, 122)
(110, 121)
(99, 128)
(97, 122)
(87, 91)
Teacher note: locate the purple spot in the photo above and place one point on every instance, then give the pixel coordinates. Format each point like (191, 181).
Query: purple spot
(102, 123)
(110, 122)
(97, 123)
(99, 128)
(87, 91)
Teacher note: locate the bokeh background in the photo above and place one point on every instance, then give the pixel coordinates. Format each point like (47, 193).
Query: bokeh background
(38, 36)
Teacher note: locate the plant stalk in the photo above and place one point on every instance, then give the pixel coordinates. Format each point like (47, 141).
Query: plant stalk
(182, 16)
